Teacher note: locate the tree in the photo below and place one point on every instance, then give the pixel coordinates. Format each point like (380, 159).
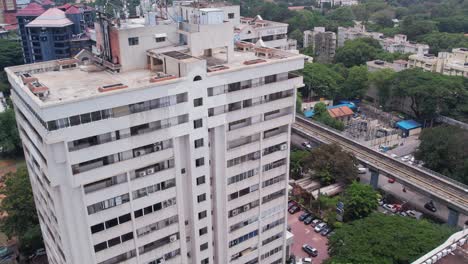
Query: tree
(360, 201)
(10, 55)
(384, 239)
(21, 220)
(439, 41)
(332, 164)
(382, 81)
(414, 27)
(357, 52)
(356, 84)
(299, 103)
(428, 92)
(321, 80)
(299, 36)
(383, 18)
(445, 150)
(10, 142)
(321, 115)
(343, 15)
(296, 162)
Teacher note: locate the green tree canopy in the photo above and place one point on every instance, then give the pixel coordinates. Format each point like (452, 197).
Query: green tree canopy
(10, 143)
(21, 220)
(332, 164)
(321, 80)
(384, 239)
(382, 81)
(357, 52)
(296, 162)
(360, 200)
(356, 84)
(321, 115)
(439, 41)
(445, 149)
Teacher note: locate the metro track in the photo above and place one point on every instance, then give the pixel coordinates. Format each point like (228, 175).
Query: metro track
(449, 192)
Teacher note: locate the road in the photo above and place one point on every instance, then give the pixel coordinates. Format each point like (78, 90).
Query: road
(439, 187)
(415, 199)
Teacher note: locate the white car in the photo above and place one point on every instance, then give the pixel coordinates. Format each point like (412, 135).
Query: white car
(306, 261)
(319, 227)
(395, 156)
(390, 207)
(405, 158)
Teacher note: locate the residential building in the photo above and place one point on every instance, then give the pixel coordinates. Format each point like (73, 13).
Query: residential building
(399, 43)
(339, 2)
(272, 34)
(49, 33)
(169, 145)
(322, 43)
(376, 65)
(453, 63)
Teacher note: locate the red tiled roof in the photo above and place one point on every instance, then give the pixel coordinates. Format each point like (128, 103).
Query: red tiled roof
(64, 7)
(33, 9)
(340, 111)
(73, 10)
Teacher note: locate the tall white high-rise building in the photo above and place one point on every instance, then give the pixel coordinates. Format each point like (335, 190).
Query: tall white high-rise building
(170, 144)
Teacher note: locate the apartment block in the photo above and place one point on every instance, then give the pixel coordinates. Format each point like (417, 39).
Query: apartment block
(272, 34)
(323, 44)
(377, 65)
(453, 63)
(170, 146)
(49, 33)
(398, 43)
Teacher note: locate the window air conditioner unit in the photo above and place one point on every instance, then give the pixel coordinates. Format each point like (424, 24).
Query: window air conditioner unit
(256, 155)
(158, 146)
(246, 207)
(141, 173)
(150, 171)
(140, 152)
(284, 147)
(235, 212)
(173, 238)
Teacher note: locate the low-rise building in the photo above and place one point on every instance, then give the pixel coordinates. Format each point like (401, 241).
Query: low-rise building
(399, 42)
(341, 112)
(377, 65)
(273, 34)
(323, 44)
(453, 63)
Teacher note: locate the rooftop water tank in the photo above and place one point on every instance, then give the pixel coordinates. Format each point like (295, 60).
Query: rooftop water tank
(211, 16)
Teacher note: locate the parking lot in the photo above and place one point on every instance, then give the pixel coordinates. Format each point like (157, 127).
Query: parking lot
(305, 234)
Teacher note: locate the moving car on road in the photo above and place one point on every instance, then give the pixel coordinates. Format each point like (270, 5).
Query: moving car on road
(307, 145)
(430, 206)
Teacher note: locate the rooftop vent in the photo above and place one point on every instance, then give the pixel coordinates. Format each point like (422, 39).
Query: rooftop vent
(27, 78)
(255, 61)
(379, 62)
(217, 68)
(161, 76)
(112, 87)
(38, 89)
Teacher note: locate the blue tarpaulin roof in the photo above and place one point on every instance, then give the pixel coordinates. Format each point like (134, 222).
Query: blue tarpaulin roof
(408, 124)
(309, 113)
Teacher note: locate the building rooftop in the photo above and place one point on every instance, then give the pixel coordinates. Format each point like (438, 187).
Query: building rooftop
(408, 124)
(77, 81)
(340, 111)
(33, 9)
(53, 17)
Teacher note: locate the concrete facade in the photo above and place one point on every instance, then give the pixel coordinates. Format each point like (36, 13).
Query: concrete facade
(453, 63)
(174, 153)
(323, 44)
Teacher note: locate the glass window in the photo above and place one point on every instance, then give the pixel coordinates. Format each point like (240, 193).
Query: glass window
(75, 120)
(124, 218)
(111, 223)
(133, 41)
(96, 116)
(97, 228)
(85, 118)
(114, 241)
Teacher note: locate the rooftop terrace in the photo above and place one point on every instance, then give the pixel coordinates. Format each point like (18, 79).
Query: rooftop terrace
(72, 80)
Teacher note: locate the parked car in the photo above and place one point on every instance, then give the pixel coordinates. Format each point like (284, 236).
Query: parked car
(395, 156)
(291, 203)
(391, 180)
(316, 222)
(294, 209)
(430, 206)
(304, 216)
(362, 170)
(406, 158)
(318, 228)
(310, 250)
(307, 145)
(326, 231)
(390, 207)
(308, 220)
(306, 261)
(288, 228)
(414, 214)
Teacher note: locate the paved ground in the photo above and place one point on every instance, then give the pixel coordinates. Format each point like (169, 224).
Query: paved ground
(304, 234)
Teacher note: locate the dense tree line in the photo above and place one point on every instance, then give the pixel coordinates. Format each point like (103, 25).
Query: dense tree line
(445, 149)
(385, 239)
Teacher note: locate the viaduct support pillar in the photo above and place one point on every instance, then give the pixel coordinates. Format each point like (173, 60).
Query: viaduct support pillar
(374, 180)
(452, 217)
